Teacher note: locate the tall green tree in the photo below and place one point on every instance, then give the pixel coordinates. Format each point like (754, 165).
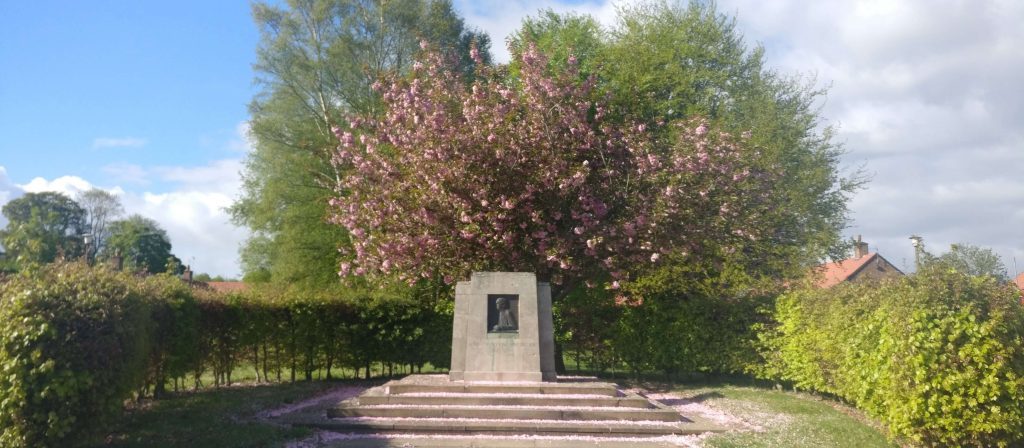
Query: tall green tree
(664, 61)
(43, 226)
(316, 63)
(101, 207)
(144, 245)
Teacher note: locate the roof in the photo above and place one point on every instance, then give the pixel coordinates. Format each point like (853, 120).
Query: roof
(837, 272)
(227, 286)
(1020, 281)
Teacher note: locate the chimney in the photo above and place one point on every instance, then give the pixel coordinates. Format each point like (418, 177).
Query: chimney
(860, 248)
(117, 261)
(187, 275)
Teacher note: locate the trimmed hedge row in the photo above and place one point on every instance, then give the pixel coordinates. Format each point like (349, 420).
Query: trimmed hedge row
(76, 341)
(675, 320)
(73, 345)
(937, 356)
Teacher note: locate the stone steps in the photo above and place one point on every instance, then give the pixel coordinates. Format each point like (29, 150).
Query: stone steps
(414, 441)
(597, 428)
(431, 404)
(425, 386)
(553, 411)
(480, 399)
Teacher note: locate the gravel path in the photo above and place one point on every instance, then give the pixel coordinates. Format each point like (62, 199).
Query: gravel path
(330, 396)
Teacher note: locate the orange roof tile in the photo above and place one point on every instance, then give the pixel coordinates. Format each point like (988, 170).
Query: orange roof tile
(1020, 281)
(227, 286)
(837, 272)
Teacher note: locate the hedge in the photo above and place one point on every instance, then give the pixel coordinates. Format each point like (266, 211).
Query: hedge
(73, 345)
(937, 356)
(676, 320)
(77, 341)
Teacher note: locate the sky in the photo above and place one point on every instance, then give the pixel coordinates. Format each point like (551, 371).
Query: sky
(148, 100)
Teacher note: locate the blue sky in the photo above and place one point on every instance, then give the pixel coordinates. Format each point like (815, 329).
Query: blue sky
(148, 100)
(88, 86)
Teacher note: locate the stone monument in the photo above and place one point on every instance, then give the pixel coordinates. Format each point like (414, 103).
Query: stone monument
(502, 329)
(501, 384)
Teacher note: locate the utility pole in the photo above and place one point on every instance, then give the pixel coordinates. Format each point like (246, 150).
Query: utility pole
(918, 244)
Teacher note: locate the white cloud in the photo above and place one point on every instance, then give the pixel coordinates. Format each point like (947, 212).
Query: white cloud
(242, 141)
(8, 191)
(198, 225)
(219, 175)
(118, 142)
(927, 95)
(69, 185)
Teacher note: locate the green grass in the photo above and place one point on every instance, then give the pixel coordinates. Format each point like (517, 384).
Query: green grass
(786, 419)
(222, 417)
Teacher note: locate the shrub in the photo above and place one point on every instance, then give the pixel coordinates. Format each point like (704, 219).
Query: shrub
(174, 329)
(937, 356)
(76, 341)
(685, 318)
(73, 345)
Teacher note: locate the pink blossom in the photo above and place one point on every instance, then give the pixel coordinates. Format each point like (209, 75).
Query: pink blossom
(576, 194)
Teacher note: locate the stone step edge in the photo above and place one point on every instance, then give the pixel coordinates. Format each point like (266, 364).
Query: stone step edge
(505, 413)
(523, 427)
(634, 402)
(369, 440)
(554, 389)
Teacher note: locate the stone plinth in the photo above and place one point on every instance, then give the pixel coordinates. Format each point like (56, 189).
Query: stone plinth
(502, 329)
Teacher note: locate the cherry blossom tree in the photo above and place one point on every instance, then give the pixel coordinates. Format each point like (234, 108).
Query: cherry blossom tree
(531, 171)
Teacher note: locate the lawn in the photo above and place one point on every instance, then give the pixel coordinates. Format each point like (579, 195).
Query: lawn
(224, 417)
(227, 417)
(777, 418)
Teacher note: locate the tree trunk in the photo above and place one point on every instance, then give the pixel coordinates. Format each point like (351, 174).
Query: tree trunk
(266, 375)
(256, 360)
(559, 359)
(558, 292)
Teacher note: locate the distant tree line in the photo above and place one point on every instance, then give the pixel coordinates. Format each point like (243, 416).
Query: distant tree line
(49, 226)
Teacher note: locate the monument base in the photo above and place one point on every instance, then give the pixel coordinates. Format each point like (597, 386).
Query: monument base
(502, 329)
(534, 377)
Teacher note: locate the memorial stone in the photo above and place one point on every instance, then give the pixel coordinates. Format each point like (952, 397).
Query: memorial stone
(502, 329)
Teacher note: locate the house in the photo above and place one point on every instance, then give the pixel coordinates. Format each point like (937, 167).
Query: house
(224, 287)
(1019, 281)
(863, 266)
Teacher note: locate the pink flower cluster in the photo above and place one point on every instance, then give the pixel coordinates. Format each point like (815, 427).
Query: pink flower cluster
(531, 173)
